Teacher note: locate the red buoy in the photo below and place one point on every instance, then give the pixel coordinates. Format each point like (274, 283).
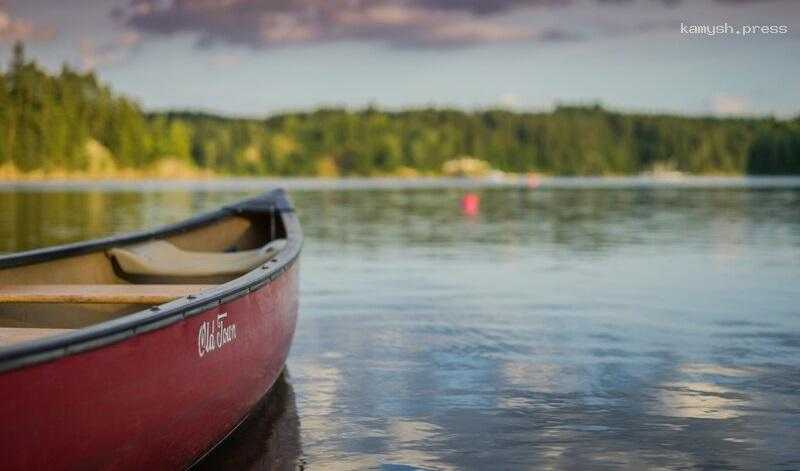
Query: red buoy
(470, 204)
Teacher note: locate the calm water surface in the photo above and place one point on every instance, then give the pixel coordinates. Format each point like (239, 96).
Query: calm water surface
(560, 328)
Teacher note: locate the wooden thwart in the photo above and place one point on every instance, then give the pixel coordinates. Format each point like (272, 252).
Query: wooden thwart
(97, 294)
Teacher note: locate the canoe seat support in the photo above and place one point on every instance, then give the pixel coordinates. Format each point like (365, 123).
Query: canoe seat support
(97, 294)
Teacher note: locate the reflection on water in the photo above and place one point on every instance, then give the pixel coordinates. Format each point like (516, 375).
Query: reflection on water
(268, 439)
(699, 400)
(571, 327)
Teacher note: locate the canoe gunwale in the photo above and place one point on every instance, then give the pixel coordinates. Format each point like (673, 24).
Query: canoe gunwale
(155, 317)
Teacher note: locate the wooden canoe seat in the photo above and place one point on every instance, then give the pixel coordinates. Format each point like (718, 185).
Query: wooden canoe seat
(97, 294)
(12, 335)
(161, 258)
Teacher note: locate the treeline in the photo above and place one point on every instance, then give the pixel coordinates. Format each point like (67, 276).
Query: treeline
(72, 123)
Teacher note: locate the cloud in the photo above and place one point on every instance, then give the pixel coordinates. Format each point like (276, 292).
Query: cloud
(725, 104)
(268, 23)
(18, 29)
(509, 101)
(401, 23)
(225, 60)
(95, 55)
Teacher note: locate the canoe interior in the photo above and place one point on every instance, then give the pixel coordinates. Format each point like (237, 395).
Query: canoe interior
(81, 290)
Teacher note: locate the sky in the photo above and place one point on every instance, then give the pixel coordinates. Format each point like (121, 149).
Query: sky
(261, 57)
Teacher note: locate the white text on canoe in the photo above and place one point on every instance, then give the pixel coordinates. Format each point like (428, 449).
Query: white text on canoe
(215, 334)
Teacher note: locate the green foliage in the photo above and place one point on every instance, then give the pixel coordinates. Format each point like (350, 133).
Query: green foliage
(47, 120)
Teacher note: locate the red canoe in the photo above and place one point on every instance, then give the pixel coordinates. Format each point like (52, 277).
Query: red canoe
(144, 351)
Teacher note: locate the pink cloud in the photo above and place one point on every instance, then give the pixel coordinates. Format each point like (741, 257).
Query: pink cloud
(95, 55)
(725, 104)
(18, 29)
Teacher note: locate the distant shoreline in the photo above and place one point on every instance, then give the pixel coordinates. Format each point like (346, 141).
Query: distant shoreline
(247, 184)
(68, 125)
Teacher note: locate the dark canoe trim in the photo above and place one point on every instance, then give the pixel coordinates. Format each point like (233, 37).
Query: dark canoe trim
(156, 317)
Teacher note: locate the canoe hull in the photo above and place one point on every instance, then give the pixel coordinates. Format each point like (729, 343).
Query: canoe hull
(158, 399)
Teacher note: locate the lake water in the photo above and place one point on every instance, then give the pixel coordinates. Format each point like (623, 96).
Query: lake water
(579, 325)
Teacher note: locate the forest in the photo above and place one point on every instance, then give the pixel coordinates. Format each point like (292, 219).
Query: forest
(70, 123)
